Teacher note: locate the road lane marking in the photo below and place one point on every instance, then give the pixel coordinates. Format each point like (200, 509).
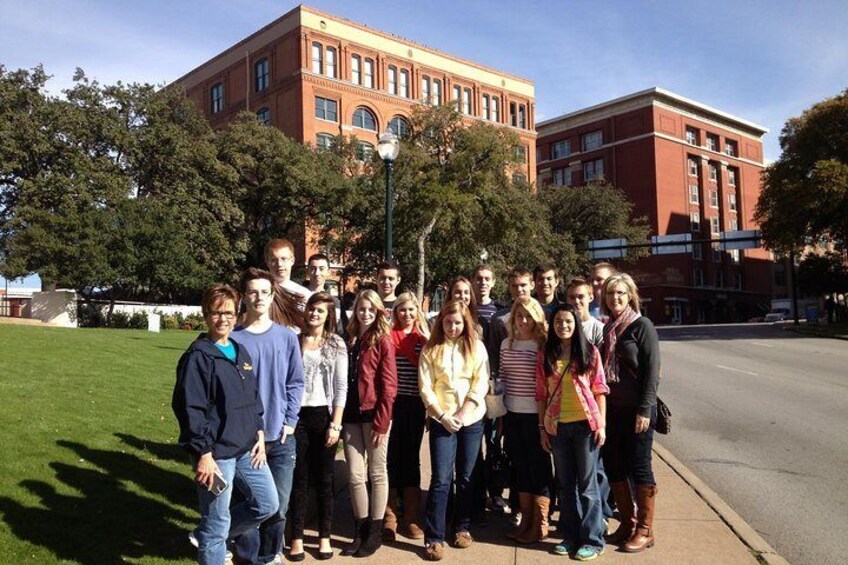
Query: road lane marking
(761, 344)
(737, 370)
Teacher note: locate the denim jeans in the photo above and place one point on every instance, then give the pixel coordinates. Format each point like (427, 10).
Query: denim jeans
(448, 451)
(628, 455)
(581, 512)
(219, 522)
(268, 540)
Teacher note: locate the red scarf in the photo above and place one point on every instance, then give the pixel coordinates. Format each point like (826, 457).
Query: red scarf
(405, 343)
(612, 331)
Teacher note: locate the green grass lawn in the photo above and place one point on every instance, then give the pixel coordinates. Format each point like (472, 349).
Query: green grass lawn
(89, 469)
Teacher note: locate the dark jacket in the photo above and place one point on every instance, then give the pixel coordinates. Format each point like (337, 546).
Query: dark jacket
(377, 382)
(638, 351)
(216, 401)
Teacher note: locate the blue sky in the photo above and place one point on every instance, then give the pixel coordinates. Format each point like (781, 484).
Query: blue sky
(764, 61)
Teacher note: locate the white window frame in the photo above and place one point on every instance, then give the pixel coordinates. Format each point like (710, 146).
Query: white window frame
(695, 221)
(713, 172)
(437, 92)
(694, 194)
(404, 83)
(495, 109)
(484, 107)
(691, 136)
(425, 89)
(317, 58)
(715, 225)
(713, 198)
(731, 177)
(561, 144)
(330, 65)
(356, 69)
(591, 140)
(590, 170)
(466, 101)
(522, 116)
(712, 142)
(692, 166)
(392, 84)
(368, 73)
(731, 202)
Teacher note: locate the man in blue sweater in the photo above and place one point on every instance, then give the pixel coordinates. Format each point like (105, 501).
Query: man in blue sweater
(277, 363)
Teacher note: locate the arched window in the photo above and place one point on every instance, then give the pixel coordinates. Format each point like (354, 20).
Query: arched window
(356, 69)
(324, 141)
(264, 115)
(261, 71)
(404, 83)
(364, 151)
(393, 80)
(217, 98)
(317, 58)
(365, 119)
(330, 68)
(399, 126)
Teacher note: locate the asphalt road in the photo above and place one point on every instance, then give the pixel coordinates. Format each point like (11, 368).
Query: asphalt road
(761, 415)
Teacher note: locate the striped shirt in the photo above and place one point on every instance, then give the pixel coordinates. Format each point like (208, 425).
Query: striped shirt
(407, 373)
(518, 375)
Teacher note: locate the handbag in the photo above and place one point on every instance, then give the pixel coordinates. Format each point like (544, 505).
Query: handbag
(663, 424)
(495, 407)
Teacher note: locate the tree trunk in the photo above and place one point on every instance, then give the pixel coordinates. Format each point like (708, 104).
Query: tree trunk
(422, 253)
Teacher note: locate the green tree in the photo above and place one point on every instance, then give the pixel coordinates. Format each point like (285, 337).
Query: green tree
(805, 192)
(820, 274)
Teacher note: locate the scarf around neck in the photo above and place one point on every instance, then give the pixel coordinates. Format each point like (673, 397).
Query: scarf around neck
(612, 331)
(405, 343)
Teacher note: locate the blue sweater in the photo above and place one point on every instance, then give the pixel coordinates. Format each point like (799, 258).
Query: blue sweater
(279, 368)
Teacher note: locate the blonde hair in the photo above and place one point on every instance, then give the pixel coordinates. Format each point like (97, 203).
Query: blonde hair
(536, 313)
(467, 340)
(379, 328)
(420, 322)
(632, 292)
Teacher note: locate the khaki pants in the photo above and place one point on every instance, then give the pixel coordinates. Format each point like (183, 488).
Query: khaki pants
(358, 446)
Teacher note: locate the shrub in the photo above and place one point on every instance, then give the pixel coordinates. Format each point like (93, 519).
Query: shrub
(170, 322)
(120, 320)
(195, 322)
(138, 321)
(90, 316)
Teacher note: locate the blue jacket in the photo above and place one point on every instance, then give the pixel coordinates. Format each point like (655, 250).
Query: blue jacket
(216, 401)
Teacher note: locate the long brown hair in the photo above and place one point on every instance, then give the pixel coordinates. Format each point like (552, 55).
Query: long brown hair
(472, 303)
(330, 323)
(468, 338)
(379, 328)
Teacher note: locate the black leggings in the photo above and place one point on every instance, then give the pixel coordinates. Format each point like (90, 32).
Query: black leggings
(530, 462)
(407, 431)
(627, 455)
(314, 465)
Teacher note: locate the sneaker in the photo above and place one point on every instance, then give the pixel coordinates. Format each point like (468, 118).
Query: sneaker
(515, 518)
(434, 551)
(228, 559)
(278, 560)
(563, 548)
(463, 540)
(499, 505)
(192, 539)
(588, 553)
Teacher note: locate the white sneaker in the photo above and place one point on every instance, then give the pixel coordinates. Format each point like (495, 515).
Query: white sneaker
(515, 518)
(228, 560)
(278, 560)
(192, 539)
(498, 504)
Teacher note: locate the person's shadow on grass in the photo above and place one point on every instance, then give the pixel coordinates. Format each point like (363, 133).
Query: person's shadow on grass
(109, 507)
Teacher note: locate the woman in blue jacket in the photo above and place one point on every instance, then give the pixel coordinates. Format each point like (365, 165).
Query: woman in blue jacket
(217, 405)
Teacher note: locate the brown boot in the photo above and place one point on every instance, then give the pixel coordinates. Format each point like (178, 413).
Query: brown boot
(538, 529)
(525, 502)
(643, 536)
(390, 520)
(411, 524)
(624, 503)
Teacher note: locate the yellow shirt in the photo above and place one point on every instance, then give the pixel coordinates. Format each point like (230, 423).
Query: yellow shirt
(570, 408)
(448, 380)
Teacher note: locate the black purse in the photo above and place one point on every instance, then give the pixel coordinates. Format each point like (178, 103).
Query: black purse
(663, 424)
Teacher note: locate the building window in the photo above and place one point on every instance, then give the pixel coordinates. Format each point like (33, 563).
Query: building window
(591, 140)
(734, 224)
(695, 221)
(393, 80)
(696, 252)
(731, 177)
(562, 177)
(520, 153)
(217, 95)
(364, 151)
(719, 279)
(495, 109)
(404, 83)
(518, 178)
(326, 109)
(331, 62)
(693, 166)
(264, 115)
(734, 256)
(593, 170)
(317, 58)
(485, 107)
(513, 114)
(261, 72)
(716, 253)
(363, 118)
(399, 126)
(779, 278)
(731, 202)
(730, 148)
(425, 89)
(466, 101)
(697, 277)
(522, 116)
(561, 149)
(713, 199)
(738, 276)
(693, 194)
(369, 73)
(712, 142)
(457, 94)
(324, 141)
(713, 172)
(356, 69)
(715, 225)
(437, 92)
(691, 136)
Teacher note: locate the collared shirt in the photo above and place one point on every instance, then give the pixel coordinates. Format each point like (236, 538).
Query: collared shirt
(549, 389)
(447, 379)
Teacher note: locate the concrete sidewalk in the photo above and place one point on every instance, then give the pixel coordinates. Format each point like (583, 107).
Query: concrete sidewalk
(692, 526)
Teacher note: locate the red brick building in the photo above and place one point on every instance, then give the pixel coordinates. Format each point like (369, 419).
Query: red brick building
(690, 169)
(314, 76)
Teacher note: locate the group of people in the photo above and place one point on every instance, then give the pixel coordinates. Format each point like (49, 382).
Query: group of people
(264, 396)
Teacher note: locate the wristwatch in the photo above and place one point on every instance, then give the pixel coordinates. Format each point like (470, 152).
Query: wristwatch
(335, 427)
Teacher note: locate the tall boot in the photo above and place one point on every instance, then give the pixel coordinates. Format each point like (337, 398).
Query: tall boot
(538, 529)
(360, 525)
(624, 502)
(372, 542)
(411, 525)
(390, 521)
(525, 502)
(643, 536)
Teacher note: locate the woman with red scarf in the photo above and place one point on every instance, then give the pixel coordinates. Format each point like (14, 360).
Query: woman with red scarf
(631, 356)
(409, 335)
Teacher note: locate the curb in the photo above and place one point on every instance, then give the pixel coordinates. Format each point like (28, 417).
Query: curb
(760, 547)
(815, 334)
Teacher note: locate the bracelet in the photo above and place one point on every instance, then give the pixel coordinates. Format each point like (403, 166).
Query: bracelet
(439, 419)
(335, 427)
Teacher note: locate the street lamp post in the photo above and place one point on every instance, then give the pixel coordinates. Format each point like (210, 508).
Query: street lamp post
(388, 147)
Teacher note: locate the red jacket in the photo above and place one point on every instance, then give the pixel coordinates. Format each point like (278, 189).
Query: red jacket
(377, 381)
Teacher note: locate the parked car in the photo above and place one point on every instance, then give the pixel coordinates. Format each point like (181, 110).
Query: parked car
(777, 315)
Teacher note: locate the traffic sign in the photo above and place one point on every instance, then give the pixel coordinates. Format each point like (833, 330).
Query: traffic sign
(746, 239)
(607, 248)
(663, 244)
